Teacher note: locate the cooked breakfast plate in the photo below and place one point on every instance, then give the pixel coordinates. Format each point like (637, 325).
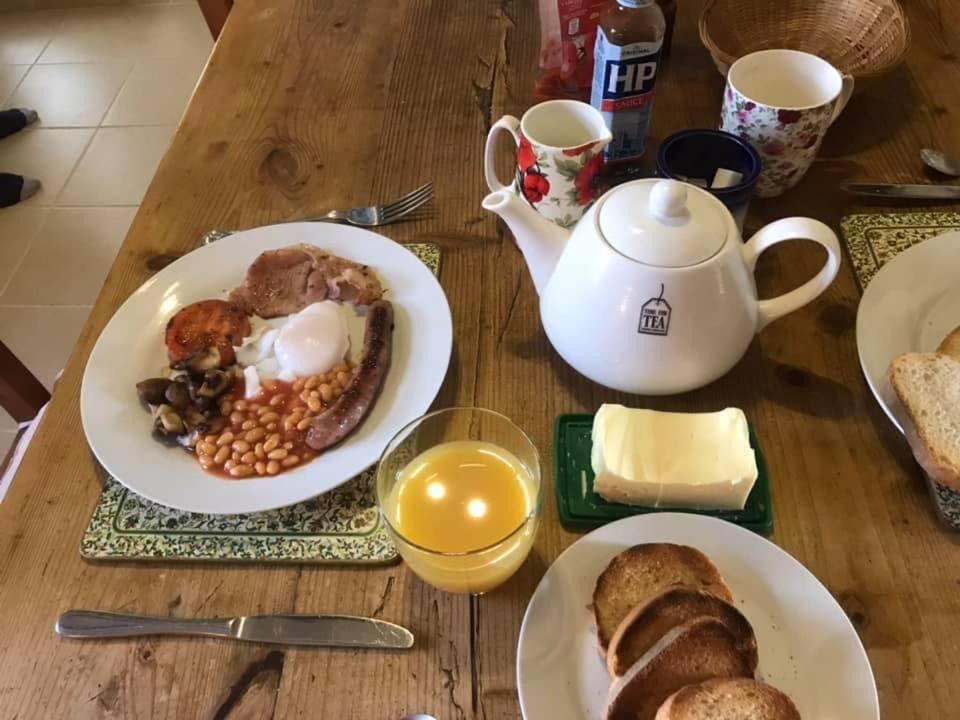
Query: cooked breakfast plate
(314, 342)
(807, 646)
(910, 305)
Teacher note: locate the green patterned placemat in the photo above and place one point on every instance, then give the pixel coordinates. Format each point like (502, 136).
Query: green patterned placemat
(340, 526)
(874, 238)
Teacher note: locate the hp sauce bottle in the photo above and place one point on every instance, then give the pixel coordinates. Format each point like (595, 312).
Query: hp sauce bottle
(626, 55)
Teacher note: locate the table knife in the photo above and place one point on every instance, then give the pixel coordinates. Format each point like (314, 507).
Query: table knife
(316, 630)
(909, 192)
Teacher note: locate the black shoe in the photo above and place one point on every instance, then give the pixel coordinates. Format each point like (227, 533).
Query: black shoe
(14, 188)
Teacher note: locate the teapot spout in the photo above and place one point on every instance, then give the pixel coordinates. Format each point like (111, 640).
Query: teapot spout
(541, 241)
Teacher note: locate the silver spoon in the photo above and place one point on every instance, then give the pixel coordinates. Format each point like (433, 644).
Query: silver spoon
(938, 161)
(418, 716)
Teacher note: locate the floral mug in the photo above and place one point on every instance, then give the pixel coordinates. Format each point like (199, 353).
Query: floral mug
(559, 156)
(782, 102)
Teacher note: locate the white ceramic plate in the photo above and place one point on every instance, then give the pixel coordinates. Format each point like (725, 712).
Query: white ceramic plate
(808, 648)
(909, 306)
(131, 348)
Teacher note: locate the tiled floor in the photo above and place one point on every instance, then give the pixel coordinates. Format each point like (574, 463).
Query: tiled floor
(110, 84)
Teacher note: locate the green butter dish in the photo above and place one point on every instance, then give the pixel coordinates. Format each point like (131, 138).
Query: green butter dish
(582, 509)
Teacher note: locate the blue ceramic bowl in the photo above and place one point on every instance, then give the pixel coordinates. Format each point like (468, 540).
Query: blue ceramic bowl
(700, 153)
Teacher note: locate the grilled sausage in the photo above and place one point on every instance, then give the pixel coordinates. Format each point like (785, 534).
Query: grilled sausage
(340, 419)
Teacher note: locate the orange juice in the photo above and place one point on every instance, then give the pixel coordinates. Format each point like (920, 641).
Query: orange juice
(467, 505)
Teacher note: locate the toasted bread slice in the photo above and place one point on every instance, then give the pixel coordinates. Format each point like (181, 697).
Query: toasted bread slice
(950, 345)
(928, 385)
(699, 650)
(643, 571)
(650, 621)
(729, 699)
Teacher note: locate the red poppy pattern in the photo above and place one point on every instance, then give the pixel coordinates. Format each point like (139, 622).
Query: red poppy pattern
(535, 186)
(559, 183)
(526, 157)
(587, 180)
(787, 139)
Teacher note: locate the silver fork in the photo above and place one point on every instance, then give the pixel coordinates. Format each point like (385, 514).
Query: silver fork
(371, 216)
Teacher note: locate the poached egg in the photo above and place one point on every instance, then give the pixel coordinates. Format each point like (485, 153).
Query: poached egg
(310, 342)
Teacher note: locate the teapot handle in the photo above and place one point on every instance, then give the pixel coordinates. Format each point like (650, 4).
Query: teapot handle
(794, 228)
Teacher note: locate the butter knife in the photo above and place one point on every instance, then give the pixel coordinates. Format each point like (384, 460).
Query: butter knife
(316, 630)
(909, 192)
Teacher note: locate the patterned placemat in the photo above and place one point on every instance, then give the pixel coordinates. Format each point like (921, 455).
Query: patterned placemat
(340, 526)
(874, 239)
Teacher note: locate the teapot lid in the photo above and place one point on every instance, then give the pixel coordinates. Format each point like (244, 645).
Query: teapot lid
(664, 223)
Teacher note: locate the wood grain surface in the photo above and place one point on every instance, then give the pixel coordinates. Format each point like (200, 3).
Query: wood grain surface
(307, 105)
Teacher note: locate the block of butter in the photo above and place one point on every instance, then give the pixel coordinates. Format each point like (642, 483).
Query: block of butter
(684, 460)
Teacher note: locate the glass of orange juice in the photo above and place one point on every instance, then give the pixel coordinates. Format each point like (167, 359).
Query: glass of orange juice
(459, 491)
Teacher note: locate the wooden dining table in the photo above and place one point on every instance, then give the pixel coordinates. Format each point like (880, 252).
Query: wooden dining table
(306, 106)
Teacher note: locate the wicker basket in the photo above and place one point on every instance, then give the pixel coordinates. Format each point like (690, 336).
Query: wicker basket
(860, 37)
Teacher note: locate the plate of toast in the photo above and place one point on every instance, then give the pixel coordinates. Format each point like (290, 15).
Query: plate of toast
(675, 616)
(908, 339)
(912, 305)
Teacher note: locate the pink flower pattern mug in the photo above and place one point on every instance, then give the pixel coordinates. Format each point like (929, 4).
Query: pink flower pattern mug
(782, 102)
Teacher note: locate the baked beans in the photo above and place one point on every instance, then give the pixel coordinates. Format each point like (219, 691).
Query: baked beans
(267, 434)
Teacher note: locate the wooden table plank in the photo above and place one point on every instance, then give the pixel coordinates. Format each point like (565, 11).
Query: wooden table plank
(308, 105)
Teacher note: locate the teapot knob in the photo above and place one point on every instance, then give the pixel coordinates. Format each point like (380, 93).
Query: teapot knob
(668, 200)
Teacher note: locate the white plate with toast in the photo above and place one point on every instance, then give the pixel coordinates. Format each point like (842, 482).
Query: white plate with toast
(910, 305)
(806, 645)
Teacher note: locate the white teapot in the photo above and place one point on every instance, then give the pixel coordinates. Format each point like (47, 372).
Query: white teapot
(653, 291)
